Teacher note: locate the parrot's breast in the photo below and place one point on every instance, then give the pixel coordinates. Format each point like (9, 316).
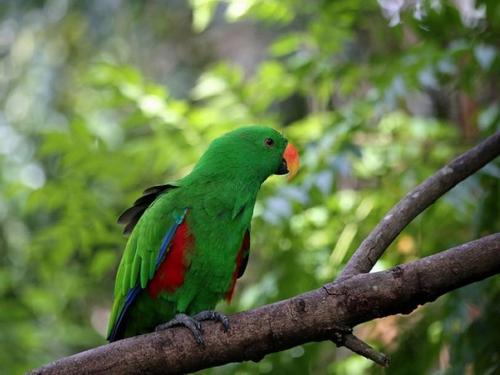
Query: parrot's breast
(203, 262)
(213, 261)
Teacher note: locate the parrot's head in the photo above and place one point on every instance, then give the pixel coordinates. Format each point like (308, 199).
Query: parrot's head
(253, 151)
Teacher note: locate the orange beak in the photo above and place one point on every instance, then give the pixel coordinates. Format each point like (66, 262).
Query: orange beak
(292, 159)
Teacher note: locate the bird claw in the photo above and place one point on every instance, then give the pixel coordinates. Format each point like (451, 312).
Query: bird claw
(194, 323)
(215, 316)
(184, 320)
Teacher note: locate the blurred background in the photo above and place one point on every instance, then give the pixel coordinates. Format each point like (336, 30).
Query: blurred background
(103, 98)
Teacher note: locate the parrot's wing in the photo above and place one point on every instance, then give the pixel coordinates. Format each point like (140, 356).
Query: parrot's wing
(145, 251)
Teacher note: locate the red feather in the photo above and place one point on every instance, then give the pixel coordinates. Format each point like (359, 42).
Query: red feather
(245, 246)
(170, 274)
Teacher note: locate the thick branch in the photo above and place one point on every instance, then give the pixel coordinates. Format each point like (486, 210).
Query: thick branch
(416, 201)
(313, 316)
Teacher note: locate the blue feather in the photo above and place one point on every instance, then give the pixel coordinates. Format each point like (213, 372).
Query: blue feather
(131, 296)
(168, 238)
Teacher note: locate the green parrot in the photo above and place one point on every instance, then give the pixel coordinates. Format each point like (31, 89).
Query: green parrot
(190, 239)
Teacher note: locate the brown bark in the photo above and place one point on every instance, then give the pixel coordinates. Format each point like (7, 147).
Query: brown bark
(312, 316)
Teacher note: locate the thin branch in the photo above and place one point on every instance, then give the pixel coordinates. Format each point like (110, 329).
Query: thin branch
(362, 348)
(416, 201)
(313, 316)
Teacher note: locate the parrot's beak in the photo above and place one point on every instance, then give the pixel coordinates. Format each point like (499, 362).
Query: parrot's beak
(291, 157)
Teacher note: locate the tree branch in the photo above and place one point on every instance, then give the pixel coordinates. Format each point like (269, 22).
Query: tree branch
(362, 348)
(313, 316)
(416, 201)
(317, 315)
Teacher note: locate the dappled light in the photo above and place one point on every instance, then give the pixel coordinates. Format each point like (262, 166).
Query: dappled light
(102, 99)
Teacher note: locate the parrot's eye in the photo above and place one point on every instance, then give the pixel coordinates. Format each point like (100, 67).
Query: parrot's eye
(269, 142)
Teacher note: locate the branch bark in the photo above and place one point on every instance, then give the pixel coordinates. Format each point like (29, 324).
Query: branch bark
(313, 316)
(416, 201)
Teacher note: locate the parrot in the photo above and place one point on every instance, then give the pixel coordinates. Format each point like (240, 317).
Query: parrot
(190, 239)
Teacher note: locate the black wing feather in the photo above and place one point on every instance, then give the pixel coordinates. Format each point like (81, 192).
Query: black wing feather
(131, 215)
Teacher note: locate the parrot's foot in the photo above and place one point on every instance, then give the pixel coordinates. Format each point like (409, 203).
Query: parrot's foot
(215, 316)
(194, 323)
(184, 320)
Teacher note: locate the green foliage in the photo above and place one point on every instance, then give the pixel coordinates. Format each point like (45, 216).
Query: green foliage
(102, 99)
